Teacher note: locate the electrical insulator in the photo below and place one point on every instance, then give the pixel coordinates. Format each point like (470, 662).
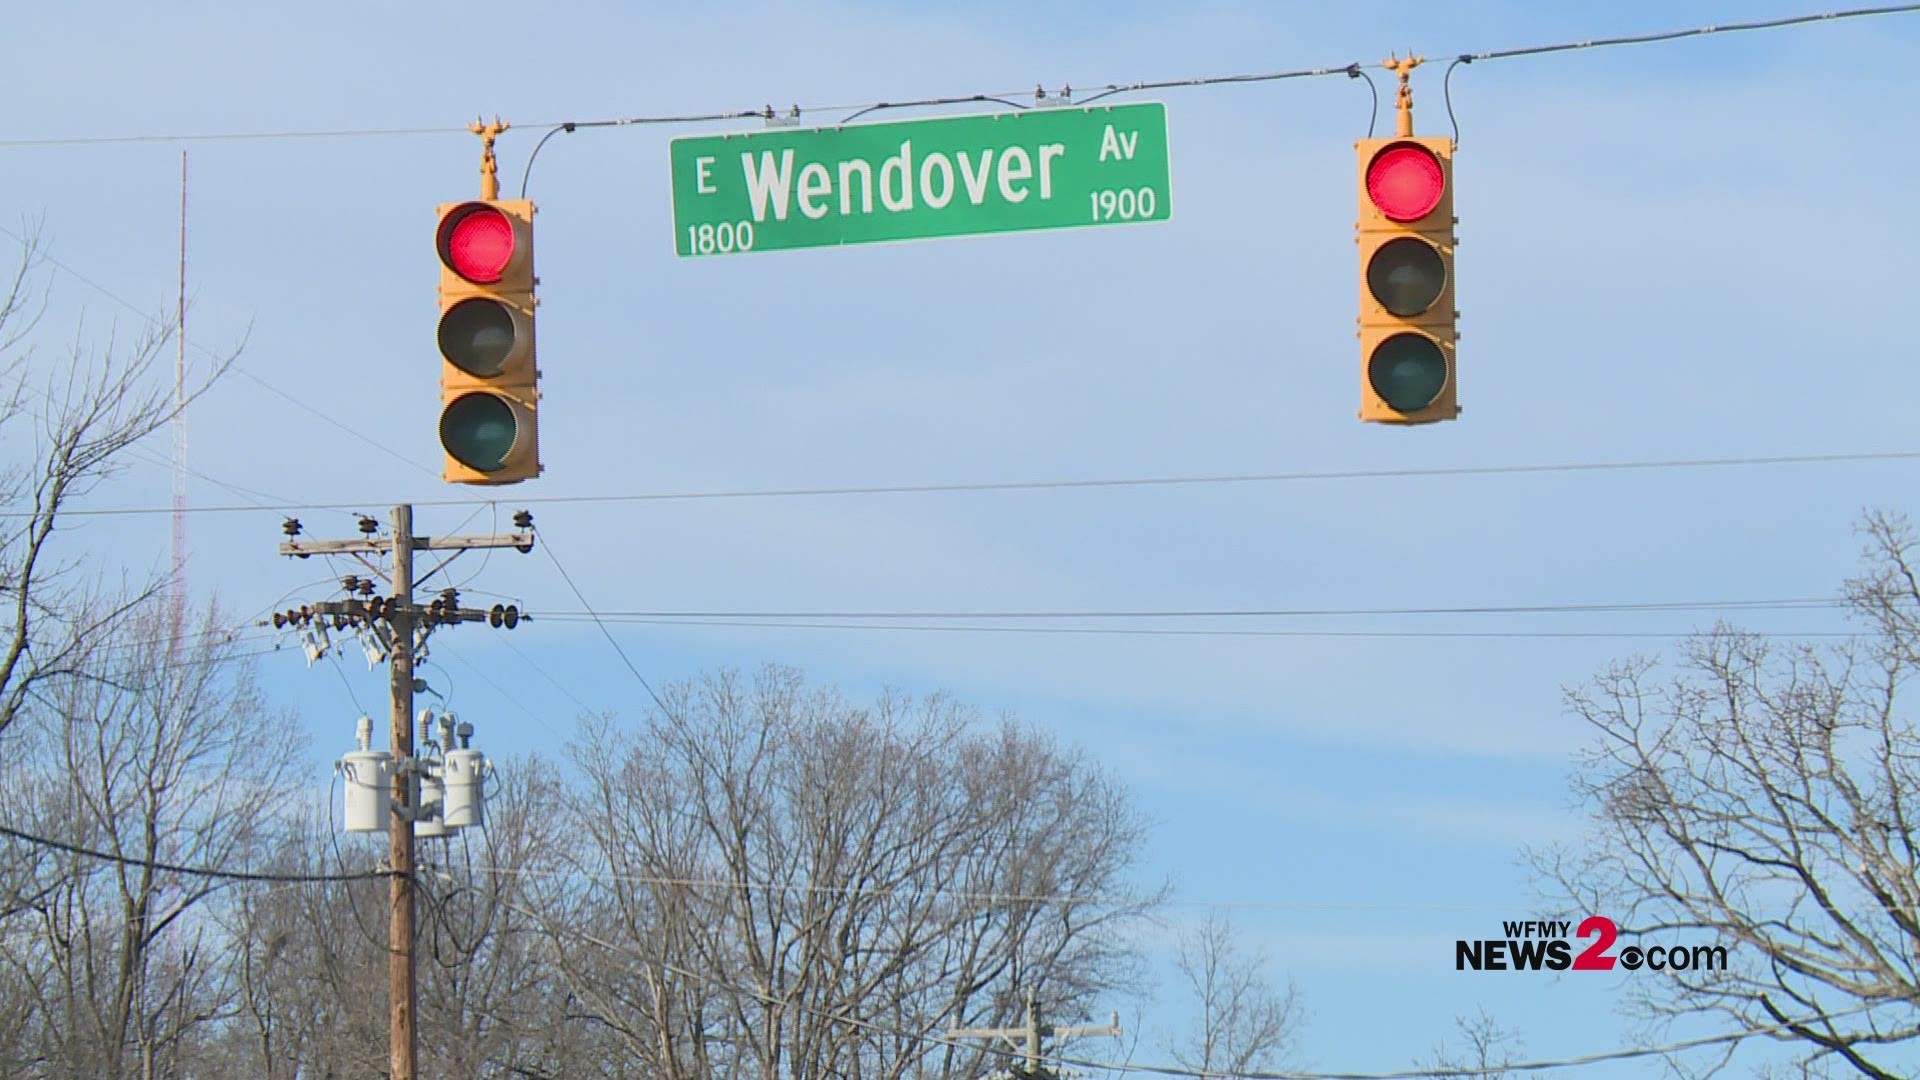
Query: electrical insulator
(313, 640)
(376, 653)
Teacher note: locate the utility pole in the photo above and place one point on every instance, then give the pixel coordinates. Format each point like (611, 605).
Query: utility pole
(406, 626)
(1027, 1038)
(403, 1038)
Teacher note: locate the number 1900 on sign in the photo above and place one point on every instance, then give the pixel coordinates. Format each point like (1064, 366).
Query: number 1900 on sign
(921, 179)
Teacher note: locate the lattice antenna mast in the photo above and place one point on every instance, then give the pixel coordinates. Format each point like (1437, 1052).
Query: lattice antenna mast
(177, 601)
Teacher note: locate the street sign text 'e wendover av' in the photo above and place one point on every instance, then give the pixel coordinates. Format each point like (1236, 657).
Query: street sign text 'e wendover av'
(1049, 168)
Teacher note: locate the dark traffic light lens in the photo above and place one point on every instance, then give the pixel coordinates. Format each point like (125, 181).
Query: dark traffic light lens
(1406, 276)
(479, 431)
(1405, 181)
(477, 336)
(476, 242)
(1407, 371)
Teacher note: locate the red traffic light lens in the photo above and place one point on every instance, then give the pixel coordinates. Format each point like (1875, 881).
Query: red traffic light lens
(1405, 182)
(476, 242)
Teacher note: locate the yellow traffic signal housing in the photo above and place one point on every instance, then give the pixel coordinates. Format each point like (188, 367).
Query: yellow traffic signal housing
(1408, 369)
(489, 378)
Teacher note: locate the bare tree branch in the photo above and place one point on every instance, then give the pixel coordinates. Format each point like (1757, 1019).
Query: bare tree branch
(1246, 1022)
(1762, 799)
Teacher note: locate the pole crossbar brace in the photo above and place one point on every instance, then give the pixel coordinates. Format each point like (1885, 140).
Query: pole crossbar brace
(1026, 1038)
(523, 541)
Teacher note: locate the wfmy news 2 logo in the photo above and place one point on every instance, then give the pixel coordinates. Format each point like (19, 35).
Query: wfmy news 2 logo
(1548, 945)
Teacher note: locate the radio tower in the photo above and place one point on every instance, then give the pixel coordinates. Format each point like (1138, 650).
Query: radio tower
(177, 600)
(177, 596)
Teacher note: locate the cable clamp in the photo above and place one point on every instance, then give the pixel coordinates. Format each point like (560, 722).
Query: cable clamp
(1042, 100)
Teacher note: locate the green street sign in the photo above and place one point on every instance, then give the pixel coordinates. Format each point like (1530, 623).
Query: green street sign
(952, 176)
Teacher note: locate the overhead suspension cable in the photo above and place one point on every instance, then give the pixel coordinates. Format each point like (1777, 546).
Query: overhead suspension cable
(1163, 631)
(986, 486)
(1101, 89)
(189, 871)
(1791, 604)
(932, 1039)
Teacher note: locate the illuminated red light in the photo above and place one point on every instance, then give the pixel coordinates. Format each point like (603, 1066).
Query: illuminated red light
(1405, 182)
(476, 242)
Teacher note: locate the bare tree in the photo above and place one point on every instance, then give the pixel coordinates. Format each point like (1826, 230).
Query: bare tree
(278, 1014)
(798, 886)
(311, 960)
(72, 427)
(489, 1002)
(307, 961)
(158, 755)
(1765, 799)
(1247, 1022)
(1486, 1050)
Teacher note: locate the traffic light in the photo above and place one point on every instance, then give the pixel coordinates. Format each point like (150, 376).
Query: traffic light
(1407, 316)
(489, 384)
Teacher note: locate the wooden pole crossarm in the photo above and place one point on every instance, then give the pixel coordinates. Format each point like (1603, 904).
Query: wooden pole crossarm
(523, 541)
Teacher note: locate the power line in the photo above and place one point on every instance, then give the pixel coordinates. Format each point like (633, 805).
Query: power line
(547, 546)
(339, 668)
(1102, 89)
(929, 1039)
(206, 351)
(709, 980)
(247, 629)
(1579, 1061)
(226, 136)
(210, 639)
(1697, 31)
(1799, 604)
(189, 871)
(562, 687)
(985, 486)
(244, 632)
(612, 877)
(335, 422)
(258, 499)
(506, 694)
(878, 621)
(1176, 632)
(982, 897)
(1446, 82)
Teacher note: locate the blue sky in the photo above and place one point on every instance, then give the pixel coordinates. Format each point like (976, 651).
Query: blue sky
(1679, 251)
